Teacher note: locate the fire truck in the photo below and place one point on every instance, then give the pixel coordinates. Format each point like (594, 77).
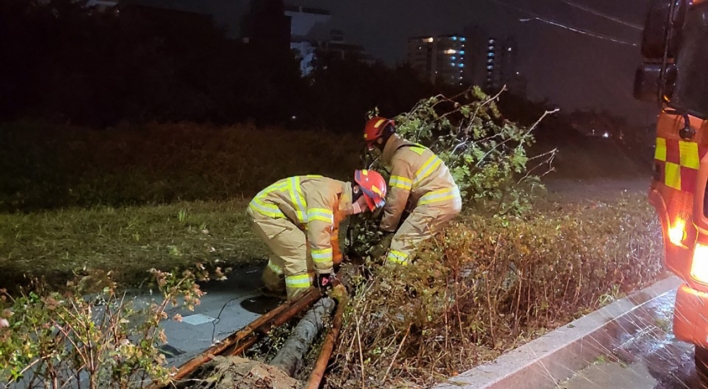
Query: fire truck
(675, 69)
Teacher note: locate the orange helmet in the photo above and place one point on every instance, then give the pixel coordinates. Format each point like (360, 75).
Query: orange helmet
(373, 186)
(374, 129)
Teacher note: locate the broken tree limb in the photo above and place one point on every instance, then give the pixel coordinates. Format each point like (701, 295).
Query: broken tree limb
(289, 358)
(340, 294)
(276, 321)
(246, 336)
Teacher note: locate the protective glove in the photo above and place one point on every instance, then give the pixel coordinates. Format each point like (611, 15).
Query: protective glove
(380, 249)
(325, 281)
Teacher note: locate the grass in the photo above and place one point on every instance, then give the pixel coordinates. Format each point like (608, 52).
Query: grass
(50, 167)
(128, 240)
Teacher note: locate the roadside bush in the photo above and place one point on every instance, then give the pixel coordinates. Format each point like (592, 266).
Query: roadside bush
(486, 285)
(56, 340)
(43, 166)
(486, 154)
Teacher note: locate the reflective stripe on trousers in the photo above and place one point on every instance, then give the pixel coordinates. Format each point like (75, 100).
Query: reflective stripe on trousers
(275, 268)
(398, 257)
(300, 281)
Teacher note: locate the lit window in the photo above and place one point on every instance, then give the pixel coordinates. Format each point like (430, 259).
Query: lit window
(429, 40)
(461, 65)
(462, 51)
(509, 49)
(454, 38)
(450, 51)
(453, 58)
(463, 39)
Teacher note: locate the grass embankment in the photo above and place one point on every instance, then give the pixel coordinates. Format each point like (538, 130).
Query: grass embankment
(58, 182)
(45, 167)
(128, 241)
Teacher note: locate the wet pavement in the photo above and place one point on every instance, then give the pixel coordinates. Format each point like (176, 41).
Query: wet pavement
(653, 358)
(226, 307)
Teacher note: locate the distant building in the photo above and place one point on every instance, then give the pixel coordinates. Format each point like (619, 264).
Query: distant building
(475, 55)
(502, 67)
(439, 59)
(312, 36)
(307, 27)
(421, 56)
(472, 58)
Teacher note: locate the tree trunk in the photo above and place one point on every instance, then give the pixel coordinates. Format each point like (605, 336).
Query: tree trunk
(289, 358)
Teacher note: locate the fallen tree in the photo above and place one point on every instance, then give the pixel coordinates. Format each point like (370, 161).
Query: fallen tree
(289, 358)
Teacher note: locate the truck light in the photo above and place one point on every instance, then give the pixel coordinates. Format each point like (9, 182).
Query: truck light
(699, 266)
(677, 233)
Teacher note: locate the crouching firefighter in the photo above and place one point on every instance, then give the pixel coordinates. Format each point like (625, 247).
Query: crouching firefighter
(298, 218)
(420, 184)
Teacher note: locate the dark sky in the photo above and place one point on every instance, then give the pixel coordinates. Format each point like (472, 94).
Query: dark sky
(572, 70)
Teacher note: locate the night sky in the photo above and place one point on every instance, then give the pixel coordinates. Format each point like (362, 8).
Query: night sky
(572, 70)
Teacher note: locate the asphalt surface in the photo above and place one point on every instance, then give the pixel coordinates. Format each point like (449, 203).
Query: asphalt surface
(226, 307)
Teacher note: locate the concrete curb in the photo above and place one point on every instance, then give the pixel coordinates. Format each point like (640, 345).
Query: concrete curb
(554, 357)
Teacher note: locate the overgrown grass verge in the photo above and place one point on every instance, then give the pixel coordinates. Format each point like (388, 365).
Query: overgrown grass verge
(45, 167)
(128, 241)
(488, 285)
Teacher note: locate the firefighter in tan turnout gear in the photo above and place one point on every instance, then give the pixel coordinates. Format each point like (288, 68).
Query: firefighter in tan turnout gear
(420, 184)
(298, 218)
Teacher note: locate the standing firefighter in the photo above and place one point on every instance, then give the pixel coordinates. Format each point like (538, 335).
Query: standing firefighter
(299, 210)
(420, 184)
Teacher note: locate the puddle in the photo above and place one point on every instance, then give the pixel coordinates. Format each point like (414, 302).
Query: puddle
(261, 304)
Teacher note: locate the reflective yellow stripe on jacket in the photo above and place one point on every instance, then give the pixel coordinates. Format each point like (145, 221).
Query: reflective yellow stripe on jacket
(439, 195)
(298, 199)
(400, 182)
(321, 214)
(270, 210)
(292, 187)
(428, 167)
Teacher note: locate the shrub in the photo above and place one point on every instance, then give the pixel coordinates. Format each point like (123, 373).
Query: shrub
(486, 155)
(486, 285)
(106, 341)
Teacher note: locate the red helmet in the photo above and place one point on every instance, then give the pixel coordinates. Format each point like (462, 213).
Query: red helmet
(374, 187)
(374, 129)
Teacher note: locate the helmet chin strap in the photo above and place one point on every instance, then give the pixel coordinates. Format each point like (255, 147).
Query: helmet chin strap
(385, 136)
(356, 193)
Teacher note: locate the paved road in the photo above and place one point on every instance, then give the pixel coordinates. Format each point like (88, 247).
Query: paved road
(227, 307)
(654, 359)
